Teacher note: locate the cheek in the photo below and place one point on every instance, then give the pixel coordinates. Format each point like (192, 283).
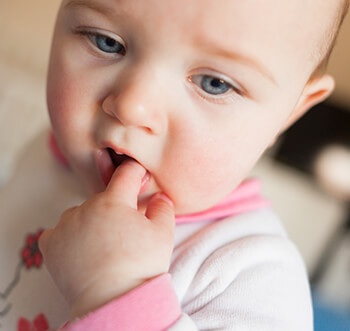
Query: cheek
(71, 119)
(59, 93)
(200, 173)
(203, 170)
(59, 101)
(68, 103)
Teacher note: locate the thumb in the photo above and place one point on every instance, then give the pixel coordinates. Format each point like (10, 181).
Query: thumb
(44, 240)
(160, 210)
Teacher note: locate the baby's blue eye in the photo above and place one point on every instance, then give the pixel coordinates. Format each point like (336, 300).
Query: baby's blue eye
(107, 44)
(212, 85)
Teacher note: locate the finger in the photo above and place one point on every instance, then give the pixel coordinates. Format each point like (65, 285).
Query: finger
(160, 210)
(126, 182)
(43, 241)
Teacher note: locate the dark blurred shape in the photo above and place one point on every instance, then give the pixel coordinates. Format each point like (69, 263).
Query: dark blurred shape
(323, 125)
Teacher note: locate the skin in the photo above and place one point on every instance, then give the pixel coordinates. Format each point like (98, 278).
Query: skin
(149, 102)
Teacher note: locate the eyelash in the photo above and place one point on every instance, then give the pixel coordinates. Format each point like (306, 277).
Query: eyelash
(224, 98)
(232, 97)
(90, 34)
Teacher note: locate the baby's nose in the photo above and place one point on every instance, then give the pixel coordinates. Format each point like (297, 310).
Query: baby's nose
(136, 103)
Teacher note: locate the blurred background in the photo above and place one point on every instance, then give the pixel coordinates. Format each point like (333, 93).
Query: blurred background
(306, 174)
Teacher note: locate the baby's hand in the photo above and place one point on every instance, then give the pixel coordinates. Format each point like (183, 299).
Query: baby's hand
(106, 247)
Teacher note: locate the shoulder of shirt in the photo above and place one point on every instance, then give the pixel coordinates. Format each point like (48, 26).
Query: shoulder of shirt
(243, 263)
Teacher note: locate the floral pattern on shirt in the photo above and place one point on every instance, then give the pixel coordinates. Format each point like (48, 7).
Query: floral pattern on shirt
(40, 323)
(30, 254)
(30, 258)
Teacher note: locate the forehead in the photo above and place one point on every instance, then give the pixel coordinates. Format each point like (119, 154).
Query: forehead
(191, 13)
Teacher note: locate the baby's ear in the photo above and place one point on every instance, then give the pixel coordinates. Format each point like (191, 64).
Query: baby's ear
(315, 91)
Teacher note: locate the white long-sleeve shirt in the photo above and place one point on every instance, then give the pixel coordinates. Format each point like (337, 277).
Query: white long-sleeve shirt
(239, 272)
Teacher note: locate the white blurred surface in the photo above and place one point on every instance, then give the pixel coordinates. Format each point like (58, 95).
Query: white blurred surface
(25, 32)
(309, 214)
(22, 112)
(332, 168)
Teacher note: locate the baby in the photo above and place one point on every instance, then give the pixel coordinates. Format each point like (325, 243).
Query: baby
(161, 108)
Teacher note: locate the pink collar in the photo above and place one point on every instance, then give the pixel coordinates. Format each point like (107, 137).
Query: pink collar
(246, 197)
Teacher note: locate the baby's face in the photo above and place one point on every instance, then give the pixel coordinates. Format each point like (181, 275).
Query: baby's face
(195, 91)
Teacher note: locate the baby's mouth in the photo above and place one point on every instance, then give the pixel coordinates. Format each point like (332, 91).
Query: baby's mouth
(117, 159)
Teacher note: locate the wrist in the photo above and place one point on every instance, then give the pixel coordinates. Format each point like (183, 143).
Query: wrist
(99, 294)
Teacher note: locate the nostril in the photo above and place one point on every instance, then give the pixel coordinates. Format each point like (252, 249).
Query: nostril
(107, 106)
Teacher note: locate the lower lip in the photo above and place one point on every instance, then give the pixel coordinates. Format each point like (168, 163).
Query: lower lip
(106, 170)
(104, 165)
(145, 183)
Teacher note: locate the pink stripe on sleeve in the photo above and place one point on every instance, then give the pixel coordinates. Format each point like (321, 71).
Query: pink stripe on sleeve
(150, 307)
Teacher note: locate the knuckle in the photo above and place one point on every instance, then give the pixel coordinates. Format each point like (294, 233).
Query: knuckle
(68, 212)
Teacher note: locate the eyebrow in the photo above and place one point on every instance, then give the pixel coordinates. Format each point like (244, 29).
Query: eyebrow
(90, 5)
(209, 47)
